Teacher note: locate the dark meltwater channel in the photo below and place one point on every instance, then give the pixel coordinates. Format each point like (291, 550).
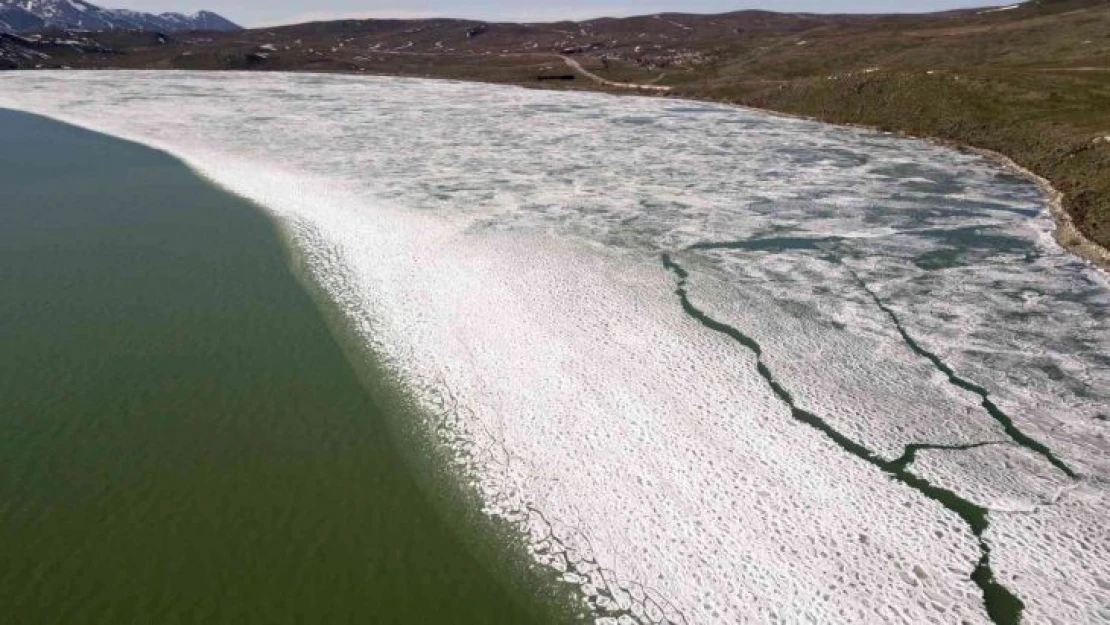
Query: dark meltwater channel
(1002, 605)
(181, 438)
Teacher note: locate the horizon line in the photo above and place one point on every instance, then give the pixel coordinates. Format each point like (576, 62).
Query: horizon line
(312, 17)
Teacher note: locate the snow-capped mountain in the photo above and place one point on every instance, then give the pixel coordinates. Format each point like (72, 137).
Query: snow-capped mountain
(26, 15)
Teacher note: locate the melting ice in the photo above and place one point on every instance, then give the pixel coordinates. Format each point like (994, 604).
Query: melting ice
(501, 249)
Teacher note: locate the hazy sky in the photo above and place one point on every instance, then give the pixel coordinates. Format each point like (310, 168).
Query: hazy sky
(267, 12)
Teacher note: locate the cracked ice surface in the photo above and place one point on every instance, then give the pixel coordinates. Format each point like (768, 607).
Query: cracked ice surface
(1044, 528)
(1026, 482)
(499, 249)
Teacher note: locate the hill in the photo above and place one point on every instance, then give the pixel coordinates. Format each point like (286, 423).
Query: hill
(24, 16)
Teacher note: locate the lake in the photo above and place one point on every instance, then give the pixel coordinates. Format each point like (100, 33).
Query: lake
(183, 440)
(700, 363)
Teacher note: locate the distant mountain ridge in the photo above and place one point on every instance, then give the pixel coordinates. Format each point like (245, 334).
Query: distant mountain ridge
(21, 16)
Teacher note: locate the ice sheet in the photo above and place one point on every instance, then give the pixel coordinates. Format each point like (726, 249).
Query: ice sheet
(501, 250)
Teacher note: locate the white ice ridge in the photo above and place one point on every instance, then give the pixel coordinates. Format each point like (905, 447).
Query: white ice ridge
(500, 249)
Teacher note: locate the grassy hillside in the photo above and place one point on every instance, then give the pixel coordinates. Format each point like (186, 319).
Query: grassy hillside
(1032, 81)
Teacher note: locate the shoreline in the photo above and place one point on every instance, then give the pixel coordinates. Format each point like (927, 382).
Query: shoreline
(1065, 233)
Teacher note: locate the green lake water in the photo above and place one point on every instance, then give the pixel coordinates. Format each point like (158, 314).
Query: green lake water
(182, 439)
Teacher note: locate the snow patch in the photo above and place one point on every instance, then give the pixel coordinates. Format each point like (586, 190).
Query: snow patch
(1000, 9)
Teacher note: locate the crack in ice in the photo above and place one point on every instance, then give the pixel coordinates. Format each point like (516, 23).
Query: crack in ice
(1003, 607)
(1007, 423)
(910, 454)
